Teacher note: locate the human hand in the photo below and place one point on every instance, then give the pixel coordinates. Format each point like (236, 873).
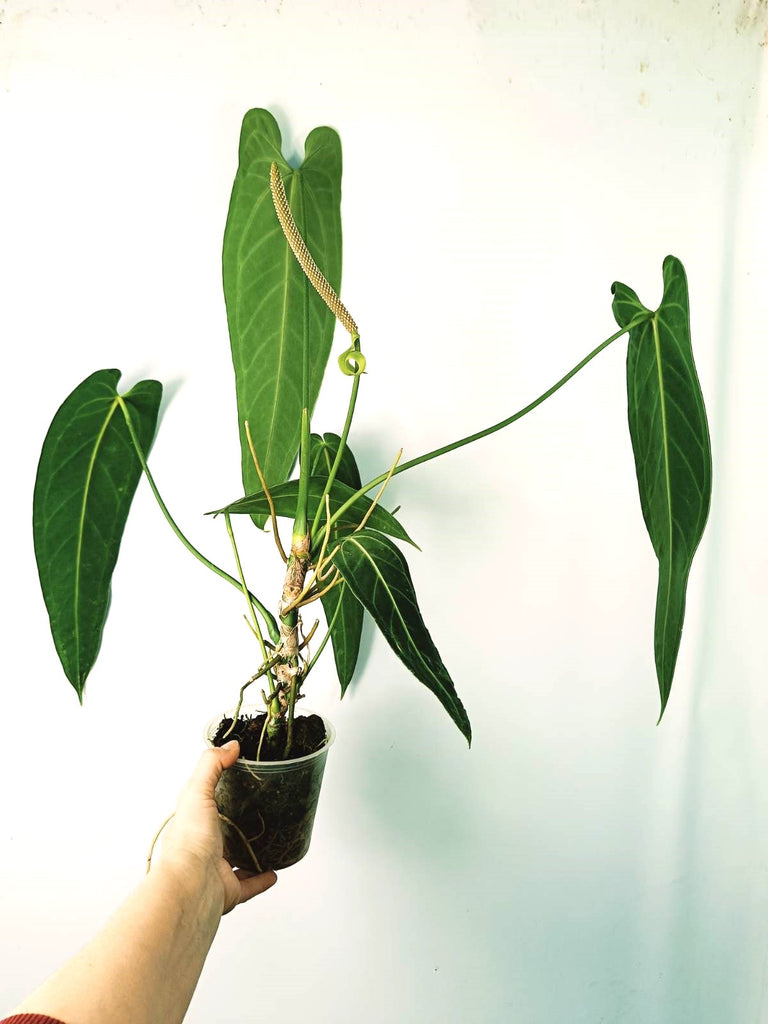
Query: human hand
(194, 835)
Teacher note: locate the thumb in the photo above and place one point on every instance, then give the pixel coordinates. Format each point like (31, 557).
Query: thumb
(209, 768)
(230, 751)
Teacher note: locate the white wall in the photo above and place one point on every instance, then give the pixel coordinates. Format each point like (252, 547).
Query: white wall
(504, 163)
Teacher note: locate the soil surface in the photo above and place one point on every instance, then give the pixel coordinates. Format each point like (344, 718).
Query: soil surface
(308, 736)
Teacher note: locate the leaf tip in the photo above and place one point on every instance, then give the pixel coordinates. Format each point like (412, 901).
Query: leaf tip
(664, 700)
(466, 729)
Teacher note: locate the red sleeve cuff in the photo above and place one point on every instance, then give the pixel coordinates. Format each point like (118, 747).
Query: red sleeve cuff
(30, 1018)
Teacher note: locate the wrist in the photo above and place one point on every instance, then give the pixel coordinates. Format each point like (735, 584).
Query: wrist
(194, 880)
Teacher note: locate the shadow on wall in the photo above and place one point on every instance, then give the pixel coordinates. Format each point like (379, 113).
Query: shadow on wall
(407, 794)
(691, 946)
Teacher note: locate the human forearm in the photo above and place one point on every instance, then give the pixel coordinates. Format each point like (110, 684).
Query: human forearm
(144, 965)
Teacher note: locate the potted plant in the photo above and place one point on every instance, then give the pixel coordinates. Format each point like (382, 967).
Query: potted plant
(281, 274)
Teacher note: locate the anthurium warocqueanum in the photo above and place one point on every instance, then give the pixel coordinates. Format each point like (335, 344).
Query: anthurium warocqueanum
(282, 273)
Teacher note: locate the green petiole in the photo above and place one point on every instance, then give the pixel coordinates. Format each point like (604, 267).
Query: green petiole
(488, 430)
(248, 597)
(274, 633)
(300, 524)
(337, 461)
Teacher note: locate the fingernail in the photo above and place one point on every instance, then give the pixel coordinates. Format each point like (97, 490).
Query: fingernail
(230, 745)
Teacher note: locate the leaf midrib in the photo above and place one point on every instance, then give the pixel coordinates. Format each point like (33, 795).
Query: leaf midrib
(283, 328)
(81, 525)
(386, 586)
(667, 476)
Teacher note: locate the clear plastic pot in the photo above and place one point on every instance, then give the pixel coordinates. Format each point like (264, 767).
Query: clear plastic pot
(268, 807)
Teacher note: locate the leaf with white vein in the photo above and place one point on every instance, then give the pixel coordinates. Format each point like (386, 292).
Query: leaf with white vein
(670, 440)
(86, 479)
(377, 574)
(272, 310)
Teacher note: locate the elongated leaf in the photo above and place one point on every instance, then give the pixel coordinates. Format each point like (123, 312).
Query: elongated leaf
(284, 498)
(347, 629)
(378, 575)
(670, 440)
(324, 452)
(271, 307)
(340, 605)
(86, 479)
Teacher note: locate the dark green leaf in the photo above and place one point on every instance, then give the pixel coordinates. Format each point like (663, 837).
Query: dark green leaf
(271, 307)
(670, 440)
(324, 451)
(340, 602)
(347, 629)
(284, 498)
(86, 479)
(377, 574)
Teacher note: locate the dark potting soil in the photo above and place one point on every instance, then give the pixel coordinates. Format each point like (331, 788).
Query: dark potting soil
(308, 736)
(268, 812)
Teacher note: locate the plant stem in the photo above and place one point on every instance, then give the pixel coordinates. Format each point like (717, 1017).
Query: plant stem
(296, 602)
(274, 632)
(247, 594)
(300, 524)
(342, 445)
(264, 670)
(298, 559)
(270, 502)
(320, 593)
(379, 493)
(488, 430)
(263, 733)
(291, 709)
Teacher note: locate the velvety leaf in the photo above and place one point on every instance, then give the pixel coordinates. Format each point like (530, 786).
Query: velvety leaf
(86, 479)
(284, 498)
(323, 455)
(347, 629)
(378, 575)
(340, 602)
(670, 440)
(271, 307)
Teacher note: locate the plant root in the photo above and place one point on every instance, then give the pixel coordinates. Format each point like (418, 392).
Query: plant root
(224, 818)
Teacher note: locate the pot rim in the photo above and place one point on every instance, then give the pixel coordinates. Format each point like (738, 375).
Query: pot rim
(330, 736)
